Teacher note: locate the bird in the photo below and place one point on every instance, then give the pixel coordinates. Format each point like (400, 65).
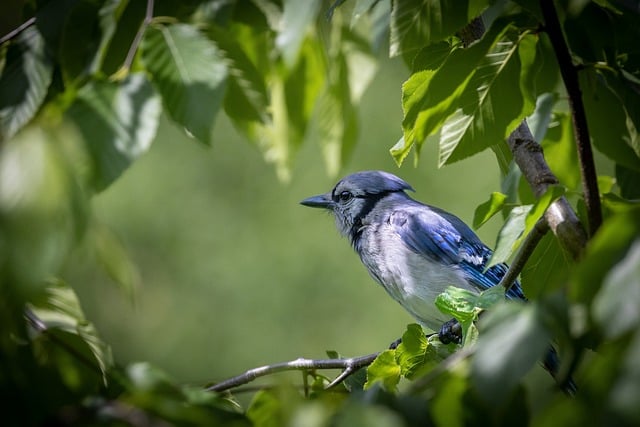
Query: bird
(414, 250)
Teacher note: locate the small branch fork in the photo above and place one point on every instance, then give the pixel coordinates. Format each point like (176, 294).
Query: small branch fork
(349, 366)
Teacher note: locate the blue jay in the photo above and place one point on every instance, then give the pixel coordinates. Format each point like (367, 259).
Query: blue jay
(413, 250)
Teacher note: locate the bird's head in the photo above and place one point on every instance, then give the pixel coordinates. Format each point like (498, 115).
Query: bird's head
(354, 196)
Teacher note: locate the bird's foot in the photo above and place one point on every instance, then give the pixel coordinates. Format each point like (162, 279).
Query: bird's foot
(450, 332)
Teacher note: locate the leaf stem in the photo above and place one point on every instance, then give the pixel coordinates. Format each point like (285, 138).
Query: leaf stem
(570, 77)
(349, 366)
(138, 38)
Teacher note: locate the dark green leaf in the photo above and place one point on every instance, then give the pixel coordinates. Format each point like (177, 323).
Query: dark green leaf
(513, 339)
(615, 307)
(547, 268)
(485, 211)
(24, 82)
(80, 40)
(608, 121)
(384, 370)
(118, 122)
(190, 74)
(605, 249)
(628, 181)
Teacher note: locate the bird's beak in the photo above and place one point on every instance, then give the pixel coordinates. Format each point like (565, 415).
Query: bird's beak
(319, 201)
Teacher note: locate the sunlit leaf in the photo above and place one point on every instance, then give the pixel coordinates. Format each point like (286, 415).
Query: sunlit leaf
(24, 81)
(509, 234)
(485, 211)
(491, 107)
(513, 339)
(384, 370)
(190, 74)
(411, 352)
(118, 122)
(296, 17)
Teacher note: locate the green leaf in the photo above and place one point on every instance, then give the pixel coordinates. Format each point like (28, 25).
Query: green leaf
(491, 107)
(547, 269)
(458, 98)
(190, 74)
(560, 151)
(513, 339)
(541, 118)
(612, 131)
(627, 180)
(60, 311)
(118, 122)
(509, 234)
(24, 81)
(80, 40)
(485, 211)
(385, 371)
(607, 247)
(411, 353)
(418, 23)
(246, 97)
(615, 307)
(296, 18)
(520, 223)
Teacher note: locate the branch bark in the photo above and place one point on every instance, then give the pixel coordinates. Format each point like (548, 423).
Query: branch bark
(560, 216)
(349, 366)
(579, 118)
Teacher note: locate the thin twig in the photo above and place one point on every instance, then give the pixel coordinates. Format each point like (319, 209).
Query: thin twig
(570, 77)
(522, 256)
(29, 22)
(350, 364)
(138, 38)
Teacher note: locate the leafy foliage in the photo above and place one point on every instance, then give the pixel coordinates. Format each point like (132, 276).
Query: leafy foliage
(83, 86)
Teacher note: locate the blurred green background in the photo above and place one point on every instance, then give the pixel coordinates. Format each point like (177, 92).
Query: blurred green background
(234, 272)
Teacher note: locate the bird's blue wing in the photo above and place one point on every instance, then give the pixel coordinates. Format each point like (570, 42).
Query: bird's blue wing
(444, 238)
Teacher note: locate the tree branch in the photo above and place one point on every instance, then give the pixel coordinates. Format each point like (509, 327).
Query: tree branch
(570, 77)
(562, 220)
(526, 249)
(29, 22)
(349, 366)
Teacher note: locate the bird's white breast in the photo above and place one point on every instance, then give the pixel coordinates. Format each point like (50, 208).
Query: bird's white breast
(410, 278)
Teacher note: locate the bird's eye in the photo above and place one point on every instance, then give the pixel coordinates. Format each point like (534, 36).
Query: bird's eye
(344, 196)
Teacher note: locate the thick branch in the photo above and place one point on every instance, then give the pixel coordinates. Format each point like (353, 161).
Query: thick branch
(570, 77)
(562, 220)
(348, 365)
